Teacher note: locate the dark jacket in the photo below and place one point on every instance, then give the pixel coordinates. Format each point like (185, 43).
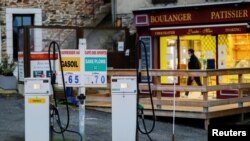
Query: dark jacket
(194, 63)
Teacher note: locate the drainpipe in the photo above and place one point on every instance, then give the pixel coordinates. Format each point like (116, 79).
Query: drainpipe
(0, 44)
(114, 11)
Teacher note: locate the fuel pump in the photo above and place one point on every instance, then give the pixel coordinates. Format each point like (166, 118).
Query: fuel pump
(126, 110)
(124, 95)
(37, 93)
(41, 108)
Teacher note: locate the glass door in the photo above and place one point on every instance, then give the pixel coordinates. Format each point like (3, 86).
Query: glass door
(204, 47)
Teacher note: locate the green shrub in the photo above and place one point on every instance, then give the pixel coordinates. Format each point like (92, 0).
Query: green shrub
(7, 68)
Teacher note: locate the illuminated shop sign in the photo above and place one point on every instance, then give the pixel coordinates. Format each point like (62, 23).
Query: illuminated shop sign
(205, 30)
(178, 16)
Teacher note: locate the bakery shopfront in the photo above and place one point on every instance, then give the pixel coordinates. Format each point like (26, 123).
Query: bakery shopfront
(218, 33)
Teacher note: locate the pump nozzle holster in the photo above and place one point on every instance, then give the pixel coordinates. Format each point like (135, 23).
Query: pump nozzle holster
(81, 98)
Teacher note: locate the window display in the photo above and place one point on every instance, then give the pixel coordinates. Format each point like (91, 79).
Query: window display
(233, 52)
(169, 58)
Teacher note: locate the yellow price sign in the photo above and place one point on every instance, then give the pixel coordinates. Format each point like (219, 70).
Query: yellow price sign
(36, 100)
(71, 63)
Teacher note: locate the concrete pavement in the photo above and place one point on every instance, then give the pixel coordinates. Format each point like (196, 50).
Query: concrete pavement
(98, 124)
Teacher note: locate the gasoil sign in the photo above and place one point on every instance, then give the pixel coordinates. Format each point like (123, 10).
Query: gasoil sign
(95, 68)
(71, 65)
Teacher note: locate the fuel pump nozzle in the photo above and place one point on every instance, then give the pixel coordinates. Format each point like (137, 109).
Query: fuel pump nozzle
(140, 107)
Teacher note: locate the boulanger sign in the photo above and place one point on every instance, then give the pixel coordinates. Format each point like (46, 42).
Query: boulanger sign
(194, 15)
(199, 17)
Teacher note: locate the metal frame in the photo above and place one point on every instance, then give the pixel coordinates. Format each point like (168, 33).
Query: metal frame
(79, 34)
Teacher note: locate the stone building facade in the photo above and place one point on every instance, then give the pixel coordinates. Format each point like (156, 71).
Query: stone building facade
(49, 13)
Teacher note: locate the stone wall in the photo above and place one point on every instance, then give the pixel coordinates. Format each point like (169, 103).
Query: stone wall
(127, 6)
(55, 12)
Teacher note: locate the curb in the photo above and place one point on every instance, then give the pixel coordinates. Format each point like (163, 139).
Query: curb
(9, 93)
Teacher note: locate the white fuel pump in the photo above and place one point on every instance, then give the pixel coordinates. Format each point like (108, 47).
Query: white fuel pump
(37, 94)
(124, 95)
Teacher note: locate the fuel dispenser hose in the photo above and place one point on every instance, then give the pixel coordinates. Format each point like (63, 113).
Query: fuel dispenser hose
(140, 44)
(54, 108)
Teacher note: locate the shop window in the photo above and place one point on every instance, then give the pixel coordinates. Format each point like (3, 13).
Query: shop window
(233, 52)
(168, 56)
(20, 20)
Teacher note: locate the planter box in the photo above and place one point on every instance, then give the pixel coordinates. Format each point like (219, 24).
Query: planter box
(8, 82)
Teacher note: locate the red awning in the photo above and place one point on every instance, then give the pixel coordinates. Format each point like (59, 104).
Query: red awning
(200, 29)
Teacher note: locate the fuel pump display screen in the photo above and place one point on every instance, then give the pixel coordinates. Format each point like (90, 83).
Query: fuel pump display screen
(37, 86)
(124, 85)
